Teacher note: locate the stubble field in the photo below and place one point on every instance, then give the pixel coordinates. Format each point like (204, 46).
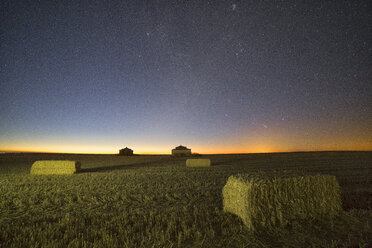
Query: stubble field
(155, 201)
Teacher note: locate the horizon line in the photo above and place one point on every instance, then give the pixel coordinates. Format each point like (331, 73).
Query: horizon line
(194, 153)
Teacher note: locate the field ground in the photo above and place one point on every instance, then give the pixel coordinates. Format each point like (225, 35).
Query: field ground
(155, 201)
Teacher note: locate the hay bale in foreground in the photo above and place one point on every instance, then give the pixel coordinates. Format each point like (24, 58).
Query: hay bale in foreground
(272, 202)
(55, 167)
(201, 162)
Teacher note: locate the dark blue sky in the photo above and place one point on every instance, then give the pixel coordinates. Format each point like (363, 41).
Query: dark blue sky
(217, 76)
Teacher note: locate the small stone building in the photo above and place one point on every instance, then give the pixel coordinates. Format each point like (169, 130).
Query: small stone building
(181, 151)
(126, 152)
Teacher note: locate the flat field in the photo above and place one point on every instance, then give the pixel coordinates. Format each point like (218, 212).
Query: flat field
(156, 201)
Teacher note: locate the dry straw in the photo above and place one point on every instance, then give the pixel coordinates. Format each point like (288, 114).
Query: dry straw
(272, 202)
(55, 167)
(198, 162)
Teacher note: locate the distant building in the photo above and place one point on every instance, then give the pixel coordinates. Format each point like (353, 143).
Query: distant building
(126, 152)
(181, 151)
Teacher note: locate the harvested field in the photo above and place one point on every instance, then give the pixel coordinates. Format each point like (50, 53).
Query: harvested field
(155, 201)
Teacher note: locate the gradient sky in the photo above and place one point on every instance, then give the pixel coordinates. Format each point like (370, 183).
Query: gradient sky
(216, 76)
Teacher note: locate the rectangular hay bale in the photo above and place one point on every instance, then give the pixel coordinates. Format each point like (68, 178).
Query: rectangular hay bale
(198, 162)
(55, 167)
(272, 202)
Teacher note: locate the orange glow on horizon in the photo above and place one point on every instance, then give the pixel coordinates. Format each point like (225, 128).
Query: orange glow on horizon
(260, 143)
(258, 149)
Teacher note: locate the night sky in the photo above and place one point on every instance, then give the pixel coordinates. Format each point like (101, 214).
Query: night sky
(216, 76)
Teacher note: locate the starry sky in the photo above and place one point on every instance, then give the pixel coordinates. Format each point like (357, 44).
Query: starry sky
(215, 76)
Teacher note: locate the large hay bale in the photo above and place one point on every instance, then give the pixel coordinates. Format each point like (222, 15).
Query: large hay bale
(56, 167)
(271, 202)
(201, 162)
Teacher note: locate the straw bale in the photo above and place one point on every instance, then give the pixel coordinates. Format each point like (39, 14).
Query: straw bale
(201, 162)
(270, 202)
(57, 167)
